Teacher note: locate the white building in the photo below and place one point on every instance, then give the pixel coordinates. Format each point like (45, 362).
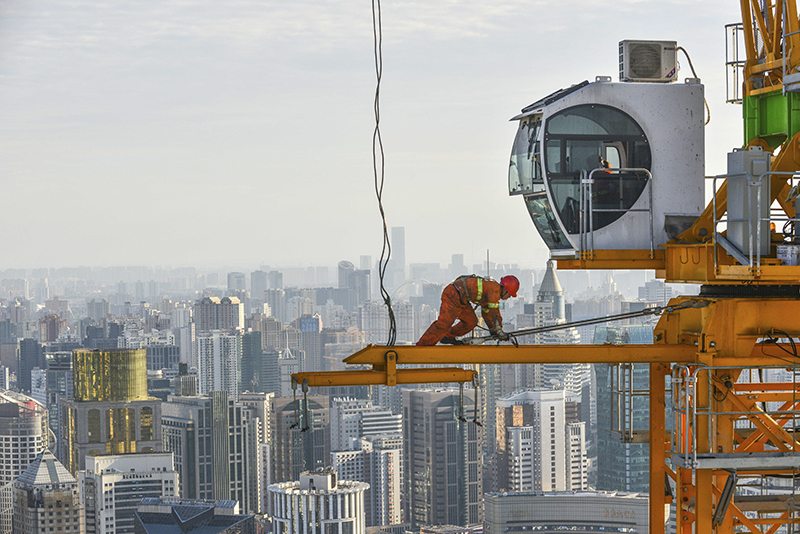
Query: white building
(374, 319)
(355, 418)
(537, 449)
(318, 504)
(380, 468)
(218, 355)
(112, 485)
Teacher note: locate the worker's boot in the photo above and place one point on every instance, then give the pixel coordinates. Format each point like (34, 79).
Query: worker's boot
(451, 341)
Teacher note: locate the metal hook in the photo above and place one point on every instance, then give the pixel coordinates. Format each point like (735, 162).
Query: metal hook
(475, 385)
(296, 423)
(461, 403)
(305, 405)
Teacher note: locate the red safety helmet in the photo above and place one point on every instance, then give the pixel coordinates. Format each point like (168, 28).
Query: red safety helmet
(511, 284)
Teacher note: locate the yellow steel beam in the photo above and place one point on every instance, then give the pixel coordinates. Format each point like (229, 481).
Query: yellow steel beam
(467, 354)
(367, 377)
(617, 259)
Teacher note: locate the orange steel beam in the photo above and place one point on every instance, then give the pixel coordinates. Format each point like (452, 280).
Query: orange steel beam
(377, 378)
(468, 354)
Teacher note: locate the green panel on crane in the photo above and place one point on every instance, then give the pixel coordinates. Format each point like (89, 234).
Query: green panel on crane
(771, 116)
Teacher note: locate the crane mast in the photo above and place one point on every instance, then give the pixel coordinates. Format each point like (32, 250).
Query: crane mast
(728, 423)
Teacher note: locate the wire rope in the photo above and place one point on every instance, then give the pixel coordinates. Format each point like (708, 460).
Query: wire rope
(379, 168)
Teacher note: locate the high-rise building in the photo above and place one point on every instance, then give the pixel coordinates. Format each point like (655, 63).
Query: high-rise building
(43, 487)
(218, 355)
(310, 327)
(50, 327)
(279, 367)
(346, 270)
(319, 503)
(374, 321)
(215, 443)
(51, 386)
(442, 464)
(237, 282)
(276, 300)
(112, 485)
(162, 357)
(111, 412)
(536, 446)
(300, 436)
(380, 468)
(187, 516)
(275, 280)
(30, 356)
(213, 313)
(356, 418)
(23, 435)
(258, 284)
(97, 310)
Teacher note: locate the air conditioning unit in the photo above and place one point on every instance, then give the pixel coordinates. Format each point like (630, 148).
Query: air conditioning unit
(648, 61)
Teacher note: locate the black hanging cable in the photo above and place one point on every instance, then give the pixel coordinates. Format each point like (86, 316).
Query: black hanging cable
(379, 174)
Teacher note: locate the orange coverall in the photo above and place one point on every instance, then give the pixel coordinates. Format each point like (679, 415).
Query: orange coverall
(457, 300)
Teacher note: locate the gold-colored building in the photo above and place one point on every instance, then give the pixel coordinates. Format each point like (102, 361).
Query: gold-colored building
(110, 412)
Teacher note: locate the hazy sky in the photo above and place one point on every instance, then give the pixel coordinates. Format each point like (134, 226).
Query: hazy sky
(160, 132)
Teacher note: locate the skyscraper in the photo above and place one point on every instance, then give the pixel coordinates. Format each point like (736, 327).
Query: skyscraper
(218, 355)
(380, 468)
(212, 313)
(356, 418)
(44, 486)
(536, 446)
(442, 468)
(111, 411)
(258, 284)
(215, 443)
(30, 356)
(237, 282)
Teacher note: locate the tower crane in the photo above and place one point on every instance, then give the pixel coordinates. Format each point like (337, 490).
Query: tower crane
(613, 177)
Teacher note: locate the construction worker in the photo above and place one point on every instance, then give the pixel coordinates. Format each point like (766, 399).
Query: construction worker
(457, 303)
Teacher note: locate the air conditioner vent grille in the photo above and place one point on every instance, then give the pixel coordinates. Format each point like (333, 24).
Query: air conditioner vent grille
(645, 60)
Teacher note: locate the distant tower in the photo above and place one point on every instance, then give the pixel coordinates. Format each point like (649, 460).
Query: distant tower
(346, 270)
(212, 313)
(111, 412)
(46, 485)
(258, 284)
(550, 291)
(236, 282)
(342, 502)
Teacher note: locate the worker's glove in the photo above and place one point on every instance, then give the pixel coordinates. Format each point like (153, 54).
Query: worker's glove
(502, 336)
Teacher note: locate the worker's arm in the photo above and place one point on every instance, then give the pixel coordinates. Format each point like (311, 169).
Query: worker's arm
(490, 307)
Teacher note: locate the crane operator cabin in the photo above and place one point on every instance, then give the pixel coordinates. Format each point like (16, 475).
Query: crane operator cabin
(614, 165)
